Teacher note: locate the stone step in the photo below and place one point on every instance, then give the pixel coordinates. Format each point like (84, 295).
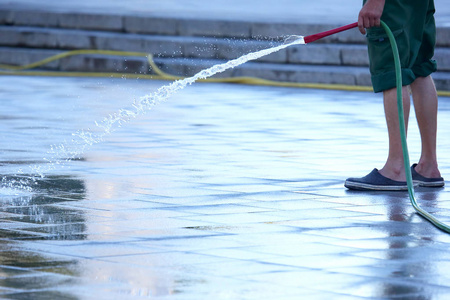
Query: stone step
(187, 67)
(169, 26)
(176, 46)
(192, 47)
(347, 75)
(158, 45)
(184, 26)
(27, 36)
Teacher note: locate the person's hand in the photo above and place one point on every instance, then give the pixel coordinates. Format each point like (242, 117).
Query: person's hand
(370, 14)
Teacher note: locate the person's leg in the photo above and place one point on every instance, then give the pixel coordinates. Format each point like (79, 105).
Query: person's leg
(426, 107)
(392, 176)
(394, 167)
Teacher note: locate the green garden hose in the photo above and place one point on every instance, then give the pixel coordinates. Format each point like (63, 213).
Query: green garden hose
(401, 118)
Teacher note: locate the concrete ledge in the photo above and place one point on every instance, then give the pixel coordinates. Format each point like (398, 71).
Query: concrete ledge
(443, 36)
(313, 54)
(35, 18)
(91, 21)
(167, 46)
(190, 66)
(183, 66)
(20, 57)
(275, 72)
(135, 23)
(164, 46)
(442, 57)
(63, 20)
(160, 26)
(6, 17)
(354, 55)
(306, 74)
(442, 81)
(44, 38)
(231, 29)
(103, 63)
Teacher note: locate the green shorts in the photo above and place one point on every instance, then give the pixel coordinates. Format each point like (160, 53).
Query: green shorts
(412, 23)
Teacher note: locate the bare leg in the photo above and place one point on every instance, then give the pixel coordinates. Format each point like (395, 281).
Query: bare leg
(394, 167)
(426, 106)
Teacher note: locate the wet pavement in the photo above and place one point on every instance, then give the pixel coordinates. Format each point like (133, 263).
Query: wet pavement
(222, 192)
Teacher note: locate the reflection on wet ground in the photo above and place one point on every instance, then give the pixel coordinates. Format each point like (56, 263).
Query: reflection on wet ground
(224, 192)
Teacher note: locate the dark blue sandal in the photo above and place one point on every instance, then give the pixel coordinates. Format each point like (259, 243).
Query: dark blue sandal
(374, 181)
(425, 181)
